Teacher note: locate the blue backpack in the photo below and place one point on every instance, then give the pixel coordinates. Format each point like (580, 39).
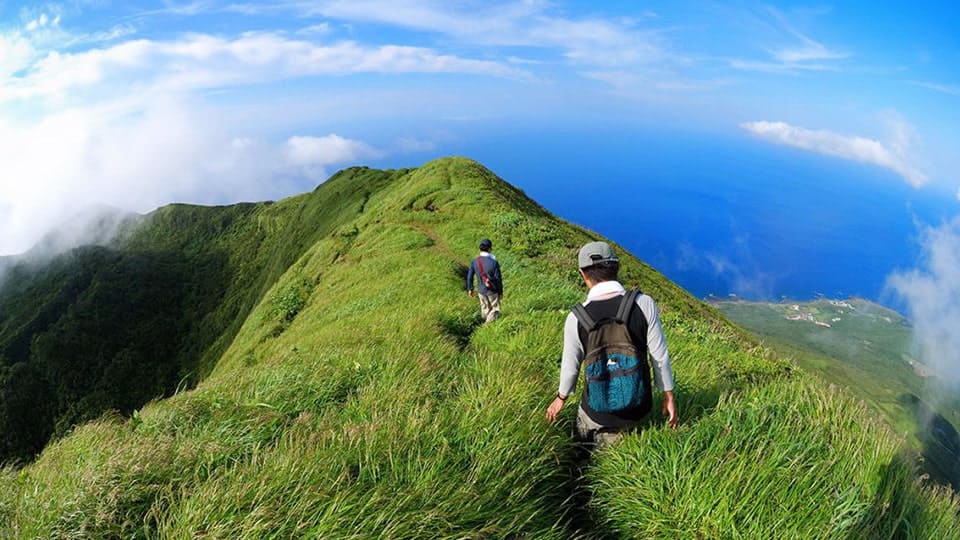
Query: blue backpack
(614, 366)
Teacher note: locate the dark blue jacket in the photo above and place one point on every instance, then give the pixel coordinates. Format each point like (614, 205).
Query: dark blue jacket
(492, 269)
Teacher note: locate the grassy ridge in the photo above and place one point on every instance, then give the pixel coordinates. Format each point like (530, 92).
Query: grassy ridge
(361, 398)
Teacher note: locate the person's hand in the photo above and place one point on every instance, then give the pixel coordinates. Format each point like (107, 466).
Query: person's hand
(470, 292)
(670, 409)
(554, 408)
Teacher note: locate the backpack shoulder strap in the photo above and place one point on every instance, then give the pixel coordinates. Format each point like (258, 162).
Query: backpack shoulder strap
(480, 266)
(626, 304)
(586, 321)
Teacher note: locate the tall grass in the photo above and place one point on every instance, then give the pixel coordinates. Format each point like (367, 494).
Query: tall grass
(783, 460)
(382, 409)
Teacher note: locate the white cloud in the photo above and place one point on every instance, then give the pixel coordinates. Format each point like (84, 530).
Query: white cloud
(39, 22)
(16, 53)
(862, 149)
(312, 155)
(314, 29)
(202, 61)
(327, 150)
(932, 295)
(173, 150)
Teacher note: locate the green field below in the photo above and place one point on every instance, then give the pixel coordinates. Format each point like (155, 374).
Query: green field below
(866, 350)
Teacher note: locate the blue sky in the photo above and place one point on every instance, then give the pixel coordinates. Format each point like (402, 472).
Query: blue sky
(138, 104)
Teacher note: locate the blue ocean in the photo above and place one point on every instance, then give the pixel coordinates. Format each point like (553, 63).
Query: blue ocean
(727, 214)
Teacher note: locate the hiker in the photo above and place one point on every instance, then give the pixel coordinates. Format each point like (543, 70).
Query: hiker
(489, 281)
(612, 333)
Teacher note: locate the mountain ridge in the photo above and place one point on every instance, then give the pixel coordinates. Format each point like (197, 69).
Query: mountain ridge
(359, 396)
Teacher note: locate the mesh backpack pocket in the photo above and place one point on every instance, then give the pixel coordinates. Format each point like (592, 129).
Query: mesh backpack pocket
(613, 367)
(613, 378)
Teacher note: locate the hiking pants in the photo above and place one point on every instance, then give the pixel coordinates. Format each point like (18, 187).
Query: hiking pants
(489, 306)
(589, 431)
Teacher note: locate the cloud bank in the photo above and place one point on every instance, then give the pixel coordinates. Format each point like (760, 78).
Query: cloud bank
(891, 156)
(932, 295)
(170, 151)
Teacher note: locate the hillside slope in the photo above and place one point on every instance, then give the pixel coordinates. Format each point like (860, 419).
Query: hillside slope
(110, 327)
(867, 349)
(359, 397)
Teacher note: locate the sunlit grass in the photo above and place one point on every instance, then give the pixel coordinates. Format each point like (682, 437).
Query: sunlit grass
(382, 409)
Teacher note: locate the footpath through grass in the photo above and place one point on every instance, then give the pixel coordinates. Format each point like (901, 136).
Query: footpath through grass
(362, 399)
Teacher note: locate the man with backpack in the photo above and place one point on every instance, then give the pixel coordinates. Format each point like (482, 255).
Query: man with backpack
(612, 333)
(489, 281)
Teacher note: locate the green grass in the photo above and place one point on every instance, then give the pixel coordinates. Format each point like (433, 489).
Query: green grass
(378, 407)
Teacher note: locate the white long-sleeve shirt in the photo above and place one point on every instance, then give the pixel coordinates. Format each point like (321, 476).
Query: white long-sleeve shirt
(656, 344)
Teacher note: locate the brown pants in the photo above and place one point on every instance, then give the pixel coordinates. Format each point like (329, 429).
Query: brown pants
(489, 306)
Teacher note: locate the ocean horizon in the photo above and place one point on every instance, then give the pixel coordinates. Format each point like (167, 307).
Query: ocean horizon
(731, 215)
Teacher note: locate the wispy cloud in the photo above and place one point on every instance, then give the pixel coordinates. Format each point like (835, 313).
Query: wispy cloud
(589, 44)
(932, 295)
(588, 40)
(891, 156)
(315, 29)
(937, 87)
(42, 21)
(632, 82)
(778, 67)
(183, 8)
(202, 61)
(116, 32)
(802, 53)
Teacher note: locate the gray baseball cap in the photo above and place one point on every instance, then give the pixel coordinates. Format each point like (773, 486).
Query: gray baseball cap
(596, 253)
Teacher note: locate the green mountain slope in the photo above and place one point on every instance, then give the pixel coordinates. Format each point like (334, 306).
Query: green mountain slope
(111, 327)
(350, 392)
(866, 348)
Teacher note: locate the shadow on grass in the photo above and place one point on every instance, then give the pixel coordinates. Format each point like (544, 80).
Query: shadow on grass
(460, 328)
(897, 510)
(460, 270)
(692, 404)
(940, 443)
(581, 521)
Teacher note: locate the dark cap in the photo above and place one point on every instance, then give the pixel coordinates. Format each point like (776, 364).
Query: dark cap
(485, 244)
(595, 253)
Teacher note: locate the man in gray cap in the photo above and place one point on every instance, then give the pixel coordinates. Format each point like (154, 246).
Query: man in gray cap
(612, 333)
(489, 281)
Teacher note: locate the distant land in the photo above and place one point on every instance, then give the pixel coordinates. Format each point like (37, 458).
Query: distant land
(866, 348)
